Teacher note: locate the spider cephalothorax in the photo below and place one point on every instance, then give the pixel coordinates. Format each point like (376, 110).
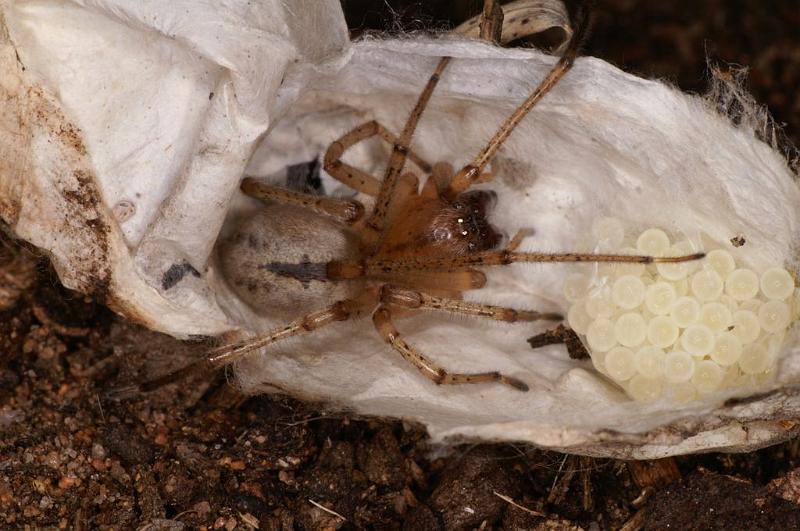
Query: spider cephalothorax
(463, 224)
(433, 225)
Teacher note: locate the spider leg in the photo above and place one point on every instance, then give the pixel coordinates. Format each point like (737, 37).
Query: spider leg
(488, 258)
(353, 177)
(377, 220)
(387, 268)
(406, 188)
(491, 26)
(382, 318)
(422, 301)
(391, 139)
(469, 174)
(345, 211)
(227, 354)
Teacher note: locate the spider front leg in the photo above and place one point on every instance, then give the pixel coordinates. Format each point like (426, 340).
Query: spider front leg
(501, 257)
(472, 172)
(353, 177)
(400, 151)
(382, 319)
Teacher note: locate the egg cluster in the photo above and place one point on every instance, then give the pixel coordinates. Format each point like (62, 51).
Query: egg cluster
(682, 329)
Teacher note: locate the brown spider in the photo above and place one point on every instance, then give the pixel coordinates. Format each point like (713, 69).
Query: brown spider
(417, 249)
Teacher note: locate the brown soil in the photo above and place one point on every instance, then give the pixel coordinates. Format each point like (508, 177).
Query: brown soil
(198, 455)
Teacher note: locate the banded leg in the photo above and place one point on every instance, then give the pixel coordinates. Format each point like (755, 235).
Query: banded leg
(377, 220)
(382, 318)
(470, 173)
(491, 26)
(227, 354)
(503, 257)
(346, 211)
(353, 177)
(422, 301)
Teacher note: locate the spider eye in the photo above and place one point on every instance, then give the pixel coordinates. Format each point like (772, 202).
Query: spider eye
(471, 246)
(458, 206)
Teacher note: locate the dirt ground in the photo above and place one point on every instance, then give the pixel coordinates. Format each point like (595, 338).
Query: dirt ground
(200, 456)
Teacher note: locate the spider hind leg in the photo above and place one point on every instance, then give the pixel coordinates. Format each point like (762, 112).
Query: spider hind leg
(423, 301)
(382, 319)
(491, 26)
(227, 354)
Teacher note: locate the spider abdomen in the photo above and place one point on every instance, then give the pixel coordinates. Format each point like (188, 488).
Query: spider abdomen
(275, 260)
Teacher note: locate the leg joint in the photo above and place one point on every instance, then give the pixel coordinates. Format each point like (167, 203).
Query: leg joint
(381, 318)
(509, 314)
(340, 311)
(400, 297)
(335, 150)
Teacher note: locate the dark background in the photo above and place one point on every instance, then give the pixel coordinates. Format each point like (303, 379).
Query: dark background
(199, 455)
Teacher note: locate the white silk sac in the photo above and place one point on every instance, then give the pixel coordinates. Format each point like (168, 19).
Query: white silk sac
(164, 123)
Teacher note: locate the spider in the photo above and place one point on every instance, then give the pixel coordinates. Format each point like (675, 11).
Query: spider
(416, 250)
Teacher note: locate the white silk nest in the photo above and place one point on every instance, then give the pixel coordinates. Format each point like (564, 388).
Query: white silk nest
(154, 160)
